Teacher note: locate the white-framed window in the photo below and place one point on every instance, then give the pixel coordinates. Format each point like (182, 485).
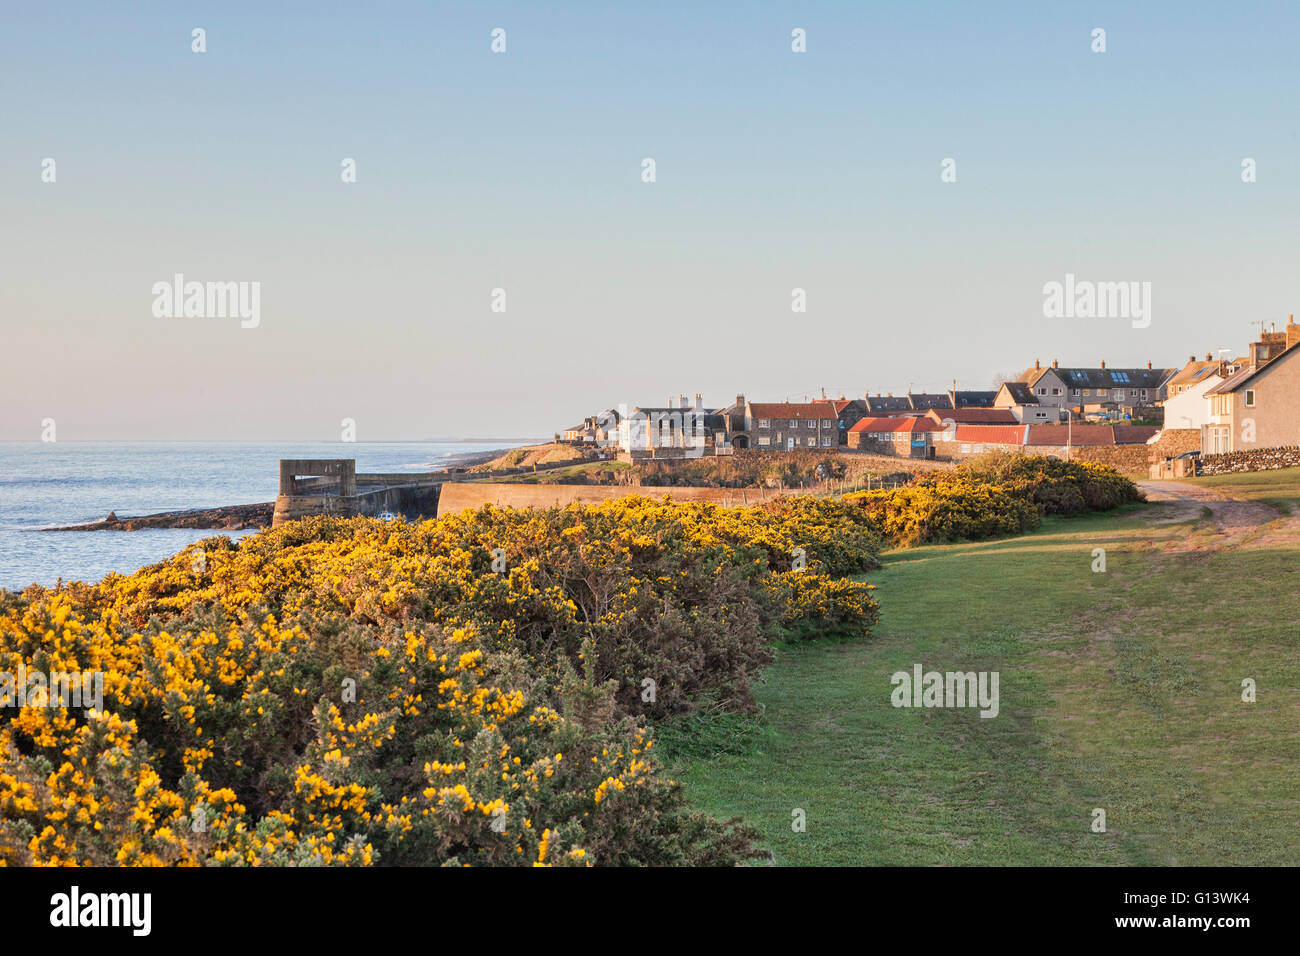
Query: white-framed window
(965, 449)
(826, 440)
(764, 440)
(827, 423)
(1074, 392)
(794, 423)
(1056, 391)
(1042, 391)
(812, 441)
(812, 423)
(1250, 398)
(764, 423)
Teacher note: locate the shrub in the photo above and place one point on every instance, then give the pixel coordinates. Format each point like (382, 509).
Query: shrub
(352, 691)
(996, 494)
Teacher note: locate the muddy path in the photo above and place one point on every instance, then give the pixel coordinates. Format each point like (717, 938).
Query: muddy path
(1230, 522)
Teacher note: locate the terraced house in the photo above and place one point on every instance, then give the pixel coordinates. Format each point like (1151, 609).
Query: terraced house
(790, 425)
(1123, 390)
(1259, 406)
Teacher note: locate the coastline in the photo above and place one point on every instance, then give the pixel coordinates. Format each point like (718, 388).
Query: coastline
(238, 517)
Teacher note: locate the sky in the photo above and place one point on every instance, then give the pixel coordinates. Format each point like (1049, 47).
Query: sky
(523, 171)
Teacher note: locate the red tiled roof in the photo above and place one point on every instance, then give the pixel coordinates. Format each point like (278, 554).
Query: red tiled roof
(974, 416)
(797, 410)
(1090, 434)
(990, 434)
(909, 425)
(1134, 434)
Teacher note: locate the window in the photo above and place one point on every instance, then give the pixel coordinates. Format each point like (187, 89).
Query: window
(826, 440)
(827, 423)
(794, 423)
(764, 440)
(1250, 398)
(812, 423)
(1042, 391)
(812, 442)
(1087, 391)
(764, 423)
(1119, 377)
(1056, 391)
(1074, 392)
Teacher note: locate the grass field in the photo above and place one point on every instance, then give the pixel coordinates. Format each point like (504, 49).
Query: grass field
(1119, 690)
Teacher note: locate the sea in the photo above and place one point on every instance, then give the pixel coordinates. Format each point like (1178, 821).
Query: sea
(47, 484)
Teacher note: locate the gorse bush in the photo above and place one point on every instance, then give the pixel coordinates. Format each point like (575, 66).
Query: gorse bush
(994, 495)
(935, 510)
(1055, 486)
(357, 692)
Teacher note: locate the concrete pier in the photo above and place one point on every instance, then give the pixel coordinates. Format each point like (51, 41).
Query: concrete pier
(313, 486)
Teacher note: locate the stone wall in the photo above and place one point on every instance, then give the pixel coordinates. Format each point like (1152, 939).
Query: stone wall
(459, 496)
(1258, 459)
(1130, 459)
(1174, 441)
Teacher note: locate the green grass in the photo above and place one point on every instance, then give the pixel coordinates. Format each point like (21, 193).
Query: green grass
(1119, 690)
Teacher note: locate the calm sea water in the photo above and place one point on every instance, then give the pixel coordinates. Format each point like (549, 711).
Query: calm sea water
(59, 483)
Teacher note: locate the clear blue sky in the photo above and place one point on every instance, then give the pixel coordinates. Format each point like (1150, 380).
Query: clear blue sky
(775, 170)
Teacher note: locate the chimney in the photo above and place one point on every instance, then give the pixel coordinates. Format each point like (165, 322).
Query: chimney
(1257, 353)
(699, 402)
(1103, 363)
(683, 404)
(1037, 365)
(740, 400)
(1208, 357)
(1191, 358)
(1055, 364)
(1148, 364)
(1292, 331)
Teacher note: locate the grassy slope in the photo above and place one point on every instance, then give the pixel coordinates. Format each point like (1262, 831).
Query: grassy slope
(1119, 690)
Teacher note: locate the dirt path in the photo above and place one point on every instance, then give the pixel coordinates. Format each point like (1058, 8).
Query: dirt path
(1234, 523)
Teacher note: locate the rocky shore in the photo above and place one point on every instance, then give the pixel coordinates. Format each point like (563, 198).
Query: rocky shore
(229, 518)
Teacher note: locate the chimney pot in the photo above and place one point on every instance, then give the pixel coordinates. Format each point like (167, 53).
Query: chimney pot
(1055, 364)
(1208, 356)
(1148, 364)
(1037, 365)
(1103, 363)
